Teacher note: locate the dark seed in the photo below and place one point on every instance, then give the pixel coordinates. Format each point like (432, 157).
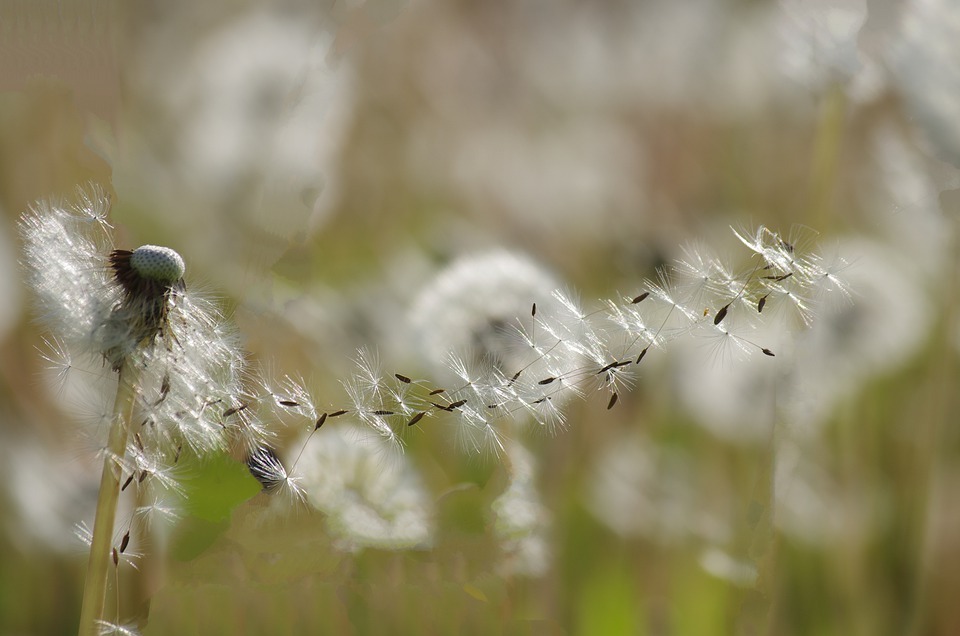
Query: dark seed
(416, 418)
(234, 410)
(721, 314)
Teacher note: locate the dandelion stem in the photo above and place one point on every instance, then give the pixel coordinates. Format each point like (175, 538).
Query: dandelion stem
(95, 586)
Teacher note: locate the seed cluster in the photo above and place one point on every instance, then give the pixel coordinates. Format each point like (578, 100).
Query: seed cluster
(157, 263)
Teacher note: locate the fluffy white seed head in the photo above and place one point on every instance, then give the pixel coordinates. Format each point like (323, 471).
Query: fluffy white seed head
(158, 263)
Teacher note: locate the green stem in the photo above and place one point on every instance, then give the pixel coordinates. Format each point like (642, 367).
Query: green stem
(95, 587)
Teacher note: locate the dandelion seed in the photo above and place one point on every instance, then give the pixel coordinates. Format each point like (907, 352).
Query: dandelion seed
(234, 410)
(266, 467)
(416, 418)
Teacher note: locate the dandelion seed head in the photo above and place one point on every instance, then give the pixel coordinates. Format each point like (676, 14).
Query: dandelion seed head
(132, 310)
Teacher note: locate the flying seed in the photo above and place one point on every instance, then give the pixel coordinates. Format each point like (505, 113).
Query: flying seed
(767, 352)
(323, 418)
(613, 400)
(287, 403)
(457, 404)
(639, 299)
(721, 314)
(607, 367)
(143, 475)
(127, 483)
(642, 353)
(761, 303)
(338, 413)
(416, 418)
(533, 310)
(402, 378)
(777, 279)
(515, 376)
(136, 438)
(234, 410)
(437, 392)
(124, 541)
(116, 557)
(383, 412)
(546, 381)
(176, 457)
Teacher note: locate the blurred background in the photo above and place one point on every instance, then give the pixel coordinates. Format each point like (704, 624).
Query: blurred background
(322, 166)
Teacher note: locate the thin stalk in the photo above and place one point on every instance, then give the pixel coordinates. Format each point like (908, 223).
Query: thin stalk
(95, 586)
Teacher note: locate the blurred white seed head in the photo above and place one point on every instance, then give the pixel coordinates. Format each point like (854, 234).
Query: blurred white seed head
(521, 520)
(640, 489)
(372, 497)
(472, 303)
